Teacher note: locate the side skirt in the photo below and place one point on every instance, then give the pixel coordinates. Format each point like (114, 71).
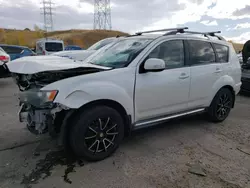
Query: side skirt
(151, 122)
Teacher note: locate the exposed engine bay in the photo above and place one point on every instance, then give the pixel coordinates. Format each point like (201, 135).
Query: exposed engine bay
(37, 110)
(39, 80)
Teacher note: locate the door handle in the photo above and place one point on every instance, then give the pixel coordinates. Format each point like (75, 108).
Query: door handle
(218, 70)
(183, 76)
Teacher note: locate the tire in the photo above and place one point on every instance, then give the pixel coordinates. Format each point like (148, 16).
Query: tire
(97, 132)
(221, 105)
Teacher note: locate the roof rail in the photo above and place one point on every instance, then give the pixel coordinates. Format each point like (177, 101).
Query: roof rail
(178, 29)
(206, 34)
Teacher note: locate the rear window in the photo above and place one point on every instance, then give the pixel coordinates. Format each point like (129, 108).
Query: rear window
(53, 46)
(222, 53)
(12, 50)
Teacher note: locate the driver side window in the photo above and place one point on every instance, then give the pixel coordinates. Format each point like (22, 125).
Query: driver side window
(172, 52)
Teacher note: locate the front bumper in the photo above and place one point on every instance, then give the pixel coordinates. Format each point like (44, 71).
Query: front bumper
(37, 120)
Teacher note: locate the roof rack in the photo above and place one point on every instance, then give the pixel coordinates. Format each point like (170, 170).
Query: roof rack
(206, 34)
(178, 29)
(174, 31)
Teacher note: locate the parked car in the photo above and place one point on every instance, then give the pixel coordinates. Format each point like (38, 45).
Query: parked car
(81, 55)
(16, 52)
(246, 68)
(4, 58)
(102, 43)
(246, 77)
(140, 81)
(47, 46)
(240, 57)
(73, 47)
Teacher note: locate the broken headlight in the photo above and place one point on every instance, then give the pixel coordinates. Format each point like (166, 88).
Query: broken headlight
(38, 97)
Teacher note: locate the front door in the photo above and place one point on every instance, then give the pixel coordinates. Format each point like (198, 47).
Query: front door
(166, 92)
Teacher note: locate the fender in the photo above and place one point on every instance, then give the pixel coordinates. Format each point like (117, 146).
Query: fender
(95, 91)
(225, 80)
(77, 91)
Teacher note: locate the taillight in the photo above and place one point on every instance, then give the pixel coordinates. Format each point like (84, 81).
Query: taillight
(43, 52)
(3, 58)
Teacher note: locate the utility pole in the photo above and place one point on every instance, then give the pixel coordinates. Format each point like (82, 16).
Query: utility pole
(102, 15)
(47, 12)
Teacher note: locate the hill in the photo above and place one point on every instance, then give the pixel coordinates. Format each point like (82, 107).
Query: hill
(83, 38)
(237, 46)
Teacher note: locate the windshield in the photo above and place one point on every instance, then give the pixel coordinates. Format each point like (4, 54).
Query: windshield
(53, 46)
(121, 53)
(101, 43)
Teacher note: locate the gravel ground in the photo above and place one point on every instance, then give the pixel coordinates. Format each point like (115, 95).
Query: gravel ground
(166, 156)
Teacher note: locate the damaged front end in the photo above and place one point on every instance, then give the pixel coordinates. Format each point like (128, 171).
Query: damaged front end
(37, 110)
(37, 107)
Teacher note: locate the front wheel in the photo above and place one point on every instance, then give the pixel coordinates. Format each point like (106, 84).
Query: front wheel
(221, 105)
(97, 133)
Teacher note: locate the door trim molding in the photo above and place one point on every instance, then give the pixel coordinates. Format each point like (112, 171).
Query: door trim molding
(151, 122)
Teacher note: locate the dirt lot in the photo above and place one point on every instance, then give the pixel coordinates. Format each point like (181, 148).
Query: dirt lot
(164, 156)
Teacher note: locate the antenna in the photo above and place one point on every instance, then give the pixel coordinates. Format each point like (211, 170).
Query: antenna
(47, 12)
(102, 15)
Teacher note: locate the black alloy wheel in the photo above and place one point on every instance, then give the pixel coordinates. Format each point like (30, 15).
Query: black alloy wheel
(101, 135)
(224, 106)
(221, 105)
(97, 132)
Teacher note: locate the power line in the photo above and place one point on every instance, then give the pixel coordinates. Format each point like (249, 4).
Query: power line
(102, 14)
(47, 12)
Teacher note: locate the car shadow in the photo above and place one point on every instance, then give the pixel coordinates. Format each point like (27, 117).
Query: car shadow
(192, 121)
(4, 82)
(244, 93)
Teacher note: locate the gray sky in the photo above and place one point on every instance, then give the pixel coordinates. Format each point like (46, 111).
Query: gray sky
(231, 17)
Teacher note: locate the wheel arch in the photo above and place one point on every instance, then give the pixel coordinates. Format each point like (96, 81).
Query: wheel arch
(229, 87)
(65, 127)
(112, 104)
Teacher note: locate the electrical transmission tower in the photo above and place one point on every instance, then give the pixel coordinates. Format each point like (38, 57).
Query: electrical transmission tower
(102, 15)
(47, 12)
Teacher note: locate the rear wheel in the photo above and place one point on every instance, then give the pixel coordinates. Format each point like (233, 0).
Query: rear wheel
(221, 105)
(97, 133)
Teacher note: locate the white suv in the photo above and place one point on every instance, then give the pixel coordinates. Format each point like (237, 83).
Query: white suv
(138, 82)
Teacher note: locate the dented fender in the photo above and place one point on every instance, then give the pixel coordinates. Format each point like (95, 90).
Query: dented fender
(77, 91)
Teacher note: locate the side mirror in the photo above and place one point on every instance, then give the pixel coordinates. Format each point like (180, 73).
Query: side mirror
(154, 65)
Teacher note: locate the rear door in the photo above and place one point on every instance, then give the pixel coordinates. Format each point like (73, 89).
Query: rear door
(27, 52)
(205, 71)
(222, 52)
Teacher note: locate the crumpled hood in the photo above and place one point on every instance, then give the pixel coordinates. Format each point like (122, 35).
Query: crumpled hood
(36, 64)
(79, 55)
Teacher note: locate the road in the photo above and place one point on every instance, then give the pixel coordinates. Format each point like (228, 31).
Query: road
(166, 156)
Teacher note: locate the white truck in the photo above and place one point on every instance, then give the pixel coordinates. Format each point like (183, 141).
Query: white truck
(47, 46)
(140, 81)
